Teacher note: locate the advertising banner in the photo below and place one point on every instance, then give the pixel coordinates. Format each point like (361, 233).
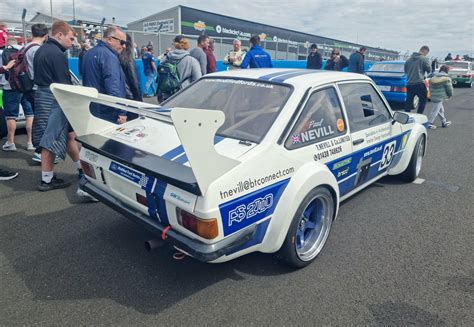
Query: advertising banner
(196, 22)
(159, 26)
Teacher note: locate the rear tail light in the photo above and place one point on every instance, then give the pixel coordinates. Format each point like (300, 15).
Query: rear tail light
(88, 169)
(466, 76)
(141, 199)
(206, 228)
(398, 89)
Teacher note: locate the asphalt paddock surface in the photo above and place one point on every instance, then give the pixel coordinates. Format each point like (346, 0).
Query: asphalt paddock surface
(398, 254)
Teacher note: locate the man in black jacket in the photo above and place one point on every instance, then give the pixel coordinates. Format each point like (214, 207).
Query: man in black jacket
(52, 134)
(315, 60)
(356, 61)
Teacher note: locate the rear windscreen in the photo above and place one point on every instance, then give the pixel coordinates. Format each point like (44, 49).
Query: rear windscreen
(387, 68)
(250, 106)
(454, 64)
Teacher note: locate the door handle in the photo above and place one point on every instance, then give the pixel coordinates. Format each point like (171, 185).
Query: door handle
(358, 141)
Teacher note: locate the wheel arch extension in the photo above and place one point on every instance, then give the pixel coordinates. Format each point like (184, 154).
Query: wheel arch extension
(306, 178)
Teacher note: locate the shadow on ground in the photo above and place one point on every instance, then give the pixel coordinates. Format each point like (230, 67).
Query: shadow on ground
(73, 255)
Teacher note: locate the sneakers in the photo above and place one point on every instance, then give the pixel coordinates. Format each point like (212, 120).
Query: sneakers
(37, 158)
(446, 124)
(86, 196)
(9, 147)
(431, 126)
(30, 147)
(55, 183)
(6, 175)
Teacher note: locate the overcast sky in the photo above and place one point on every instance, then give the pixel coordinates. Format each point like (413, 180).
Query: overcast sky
(444, 25)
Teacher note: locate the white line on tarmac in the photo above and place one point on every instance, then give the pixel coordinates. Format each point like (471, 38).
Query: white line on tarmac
(418, 181)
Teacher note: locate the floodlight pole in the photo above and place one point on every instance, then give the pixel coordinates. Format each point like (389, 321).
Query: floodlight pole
(73, 12)
(23, 15)
(51, 7)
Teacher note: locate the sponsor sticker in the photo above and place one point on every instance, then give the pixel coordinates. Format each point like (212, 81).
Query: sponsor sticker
(342, 163)
(340, 125)
(134, 176)
(251, 208)
(130, 134)
(314, 130)
(295, 139)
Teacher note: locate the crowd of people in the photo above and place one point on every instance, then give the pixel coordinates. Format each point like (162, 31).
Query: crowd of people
(180, 66)
(109, 66)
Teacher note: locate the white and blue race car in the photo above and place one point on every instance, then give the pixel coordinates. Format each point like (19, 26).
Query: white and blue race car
(247, 160)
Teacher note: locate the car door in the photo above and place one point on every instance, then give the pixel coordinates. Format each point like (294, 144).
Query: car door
(320, 131)
(373, 136)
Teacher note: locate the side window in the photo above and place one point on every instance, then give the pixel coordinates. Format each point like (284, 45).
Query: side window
(321, 119)
(365, 108)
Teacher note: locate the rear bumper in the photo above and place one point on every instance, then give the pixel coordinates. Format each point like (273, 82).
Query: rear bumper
(461, 80)
(395, 96)
(196, 249)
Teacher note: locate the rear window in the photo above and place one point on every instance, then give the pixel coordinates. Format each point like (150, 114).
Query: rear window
(457, 64)
(250, 106)
(387, 68)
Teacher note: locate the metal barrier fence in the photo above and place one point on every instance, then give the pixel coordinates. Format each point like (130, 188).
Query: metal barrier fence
(161, 41)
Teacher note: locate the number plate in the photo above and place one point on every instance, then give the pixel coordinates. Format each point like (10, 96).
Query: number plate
(384, 87)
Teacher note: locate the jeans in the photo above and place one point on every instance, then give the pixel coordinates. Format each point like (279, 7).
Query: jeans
(438, 109)
(422, 93)
(150, 79)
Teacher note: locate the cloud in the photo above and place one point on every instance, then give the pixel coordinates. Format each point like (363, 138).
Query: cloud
(399, 25)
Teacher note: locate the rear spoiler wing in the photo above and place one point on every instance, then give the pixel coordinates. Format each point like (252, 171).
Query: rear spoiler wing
(196, 129)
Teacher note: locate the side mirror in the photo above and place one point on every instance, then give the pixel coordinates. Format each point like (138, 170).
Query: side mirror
(400, 117)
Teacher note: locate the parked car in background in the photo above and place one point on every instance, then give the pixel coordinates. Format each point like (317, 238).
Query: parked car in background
(461, 72)
(391, 79)
(245, 160)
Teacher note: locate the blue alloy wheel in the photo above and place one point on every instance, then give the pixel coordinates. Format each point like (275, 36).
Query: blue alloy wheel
(309, 229)
(313, 228)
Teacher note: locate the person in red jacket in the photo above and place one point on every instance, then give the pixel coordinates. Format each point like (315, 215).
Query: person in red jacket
(3, 35)
(211, 59)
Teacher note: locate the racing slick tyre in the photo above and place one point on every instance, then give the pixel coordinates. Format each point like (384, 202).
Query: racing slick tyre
(309, 229)
(414, 167)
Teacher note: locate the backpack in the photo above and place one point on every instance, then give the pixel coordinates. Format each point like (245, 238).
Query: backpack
(7, 54)
(168, 78)
(18, 76)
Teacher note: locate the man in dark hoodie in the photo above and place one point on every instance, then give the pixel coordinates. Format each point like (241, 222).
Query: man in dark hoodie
(415, 68)
(356, 61)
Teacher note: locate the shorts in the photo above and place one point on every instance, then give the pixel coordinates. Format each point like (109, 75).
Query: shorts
(11, 104)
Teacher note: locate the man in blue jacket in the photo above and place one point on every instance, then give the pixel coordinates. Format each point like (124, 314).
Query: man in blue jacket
(356, 61)
(256, 57)
(102, 70)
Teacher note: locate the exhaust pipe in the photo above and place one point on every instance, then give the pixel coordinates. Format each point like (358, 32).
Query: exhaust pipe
(154, 244)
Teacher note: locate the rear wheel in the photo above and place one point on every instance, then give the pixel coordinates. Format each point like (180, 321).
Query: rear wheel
(414, 167)
(309, 229)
